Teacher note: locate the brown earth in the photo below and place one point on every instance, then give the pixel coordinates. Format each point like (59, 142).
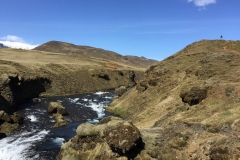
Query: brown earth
(188, 105)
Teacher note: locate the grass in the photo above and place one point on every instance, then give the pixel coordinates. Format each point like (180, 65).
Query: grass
(120, 112)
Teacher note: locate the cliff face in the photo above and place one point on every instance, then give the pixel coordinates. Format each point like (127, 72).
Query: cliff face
(188, 104)
(15, 89)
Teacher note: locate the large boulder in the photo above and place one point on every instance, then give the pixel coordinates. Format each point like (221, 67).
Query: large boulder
(56, 107)
(9, 123)
(8, 127)
(111, 138)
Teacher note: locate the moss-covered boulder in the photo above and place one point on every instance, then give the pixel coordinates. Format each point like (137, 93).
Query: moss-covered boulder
(111, 138)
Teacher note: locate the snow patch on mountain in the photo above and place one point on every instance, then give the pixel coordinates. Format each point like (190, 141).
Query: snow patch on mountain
(16, 42)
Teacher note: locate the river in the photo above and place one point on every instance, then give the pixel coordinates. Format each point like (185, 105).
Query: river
(37, 140)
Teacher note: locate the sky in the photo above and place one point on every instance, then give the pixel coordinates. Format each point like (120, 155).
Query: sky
(154, 29)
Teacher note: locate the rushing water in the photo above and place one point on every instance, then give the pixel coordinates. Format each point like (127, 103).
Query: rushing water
(37, 140)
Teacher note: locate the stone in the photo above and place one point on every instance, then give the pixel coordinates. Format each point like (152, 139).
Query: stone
(8, 127)
(60, 120)
(110, 138)
(56, 107)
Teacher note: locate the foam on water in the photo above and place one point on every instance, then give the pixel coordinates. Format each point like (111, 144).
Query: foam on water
(74, 100)
(32, 118)
(85, 99)
(59, 141)
(34, 144)
(99, 108)
(93, 120)
(17, 147)
(100, 93)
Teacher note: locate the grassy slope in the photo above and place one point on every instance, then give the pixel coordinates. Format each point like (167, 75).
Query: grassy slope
(211, 64)
(202, 131)
(69, 73)
(67, 48)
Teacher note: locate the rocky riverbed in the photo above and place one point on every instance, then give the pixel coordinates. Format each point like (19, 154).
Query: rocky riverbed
(37, 139)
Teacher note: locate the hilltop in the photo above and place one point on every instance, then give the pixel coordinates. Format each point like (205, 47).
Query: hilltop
(187, 106)
(91, 52)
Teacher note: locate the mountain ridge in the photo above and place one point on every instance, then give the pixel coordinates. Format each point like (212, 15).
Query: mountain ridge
(68, 48)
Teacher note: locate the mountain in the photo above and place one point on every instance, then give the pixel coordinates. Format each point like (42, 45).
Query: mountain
(18, 45)
(68, 48)
(188, 105)
(3, 46)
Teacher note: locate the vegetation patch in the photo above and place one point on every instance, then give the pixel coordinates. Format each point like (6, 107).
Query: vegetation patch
(229, 90)
(120, 112)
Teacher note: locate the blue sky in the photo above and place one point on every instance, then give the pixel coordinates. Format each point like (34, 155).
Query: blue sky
(151, 28)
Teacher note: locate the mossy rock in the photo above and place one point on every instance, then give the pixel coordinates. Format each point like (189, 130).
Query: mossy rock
(8, 127)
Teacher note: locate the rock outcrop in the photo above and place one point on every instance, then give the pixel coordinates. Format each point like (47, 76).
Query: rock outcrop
(15, 89)
(111, 138)
(58, 112)
(56, 107)
(120, 91)
(8, 123)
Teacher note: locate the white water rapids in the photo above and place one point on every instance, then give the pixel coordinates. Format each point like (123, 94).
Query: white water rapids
(37, 140)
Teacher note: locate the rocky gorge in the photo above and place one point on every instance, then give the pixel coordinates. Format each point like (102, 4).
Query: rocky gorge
(184, 107)
(27, 75)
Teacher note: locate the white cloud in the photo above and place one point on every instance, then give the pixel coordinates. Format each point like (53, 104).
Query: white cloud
(203, 3)
(12, 38)
(16, 42)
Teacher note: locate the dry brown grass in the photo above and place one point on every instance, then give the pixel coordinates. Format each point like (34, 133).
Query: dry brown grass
(204, 64)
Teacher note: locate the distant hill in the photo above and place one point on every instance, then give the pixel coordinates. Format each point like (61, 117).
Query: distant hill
(188, 106)
(3, 46)
(68, 48)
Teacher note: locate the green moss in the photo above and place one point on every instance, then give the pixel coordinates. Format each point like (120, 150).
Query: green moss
(120, 112)
(8, 127)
